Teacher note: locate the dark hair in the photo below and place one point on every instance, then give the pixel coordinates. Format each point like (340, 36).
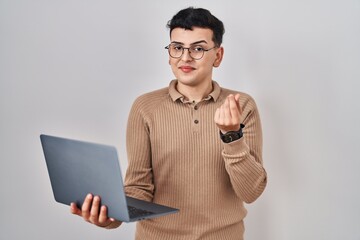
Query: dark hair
(198, 17)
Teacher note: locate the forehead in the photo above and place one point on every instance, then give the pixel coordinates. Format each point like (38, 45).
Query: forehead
(190, 36)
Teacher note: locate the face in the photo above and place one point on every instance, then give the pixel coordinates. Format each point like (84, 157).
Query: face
(192, 72)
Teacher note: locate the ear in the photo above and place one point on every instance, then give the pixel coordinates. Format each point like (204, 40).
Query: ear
(219, 57)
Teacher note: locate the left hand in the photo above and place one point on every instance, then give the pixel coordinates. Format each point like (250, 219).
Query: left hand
(227, 116)
(92, 212)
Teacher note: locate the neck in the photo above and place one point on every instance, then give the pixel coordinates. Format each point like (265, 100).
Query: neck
(195, 93)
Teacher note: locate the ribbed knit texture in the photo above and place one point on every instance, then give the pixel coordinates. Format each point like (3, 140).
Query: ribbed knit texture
(183, 164)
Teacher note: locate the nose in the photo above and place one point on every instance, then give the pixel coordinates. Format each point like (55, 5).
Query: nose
(186, 55)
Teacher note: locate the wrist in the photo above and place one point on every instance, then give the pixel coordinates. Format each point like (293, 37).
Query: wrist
(231, 136)
(113, 225)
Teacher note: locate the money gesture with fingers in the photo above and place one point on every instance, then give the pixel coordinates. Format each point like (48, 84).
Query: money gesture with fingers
(227, 116)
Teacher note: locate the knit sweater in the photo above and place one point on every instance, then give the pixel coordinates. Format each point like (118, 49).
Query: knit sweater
(176, 158)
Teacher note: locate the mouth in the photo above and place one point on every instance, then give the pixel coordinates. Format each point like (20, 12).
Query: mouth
(186, 69)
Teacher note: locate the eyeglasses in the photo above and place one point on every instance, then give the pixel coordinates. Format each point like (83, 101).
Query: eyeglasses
(195, 52)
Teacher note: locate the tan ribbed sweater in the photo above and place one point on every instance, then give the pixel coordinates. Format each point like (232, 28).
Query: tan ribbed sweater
(177, 158)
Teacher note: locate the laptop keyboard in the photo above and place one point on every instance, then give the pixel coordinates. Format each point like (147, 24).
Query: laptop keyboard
(137, 212)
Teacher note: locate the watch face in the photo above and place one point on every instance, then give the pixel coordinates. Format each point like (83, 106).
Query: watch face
(228, 139)
(231, 136)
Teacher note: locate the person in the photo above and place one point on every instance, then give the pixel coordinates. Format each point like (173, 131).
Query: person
(193, 145)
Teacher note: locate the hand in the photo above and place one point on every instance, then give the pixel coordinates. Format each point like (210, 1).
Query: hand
(227, 116)
(92, 212)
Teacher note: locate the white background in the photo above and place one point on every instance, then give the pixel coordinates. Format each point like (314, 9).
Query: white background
(73, 69)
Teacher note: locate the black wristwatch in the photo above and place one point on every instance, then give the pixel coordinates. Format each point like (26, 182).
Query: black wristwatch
(232, 135)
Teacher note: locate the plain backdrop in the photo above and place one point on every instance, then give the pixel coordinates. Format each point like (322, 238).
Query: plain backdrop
(73, 69)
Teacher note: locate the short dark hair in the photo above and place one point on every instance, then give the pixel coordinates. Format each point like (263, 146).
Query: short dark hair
(198, 17)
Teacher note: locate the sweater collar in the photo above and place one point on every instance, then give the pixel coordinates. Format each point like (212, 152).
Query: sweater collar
(175, 95)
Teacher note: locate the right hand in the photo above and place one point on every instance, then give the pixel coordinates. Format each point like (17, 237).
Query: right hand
(228, 115)
(92, 212)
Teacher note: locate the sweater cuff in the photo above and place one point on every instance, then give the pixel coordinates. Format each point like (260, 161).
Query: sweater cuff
(236, 148)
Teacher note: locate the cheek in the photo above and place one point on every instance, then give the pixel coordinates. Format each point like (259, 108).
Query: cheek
(171, 60)
(173, 63)
(207, 65)
(173, 66)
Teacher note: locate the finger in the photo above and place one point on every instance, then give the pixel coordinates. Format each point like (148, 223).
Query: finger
(221, 115)
(234, 110)
(85, 208)
(74, 209)
(103, 217)
(94, 211)
(227, 114)
(217, 115)
(237, 99)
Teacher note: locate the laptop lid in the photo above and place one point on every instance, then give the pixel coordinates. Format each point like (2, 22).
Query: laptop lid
(77, 168)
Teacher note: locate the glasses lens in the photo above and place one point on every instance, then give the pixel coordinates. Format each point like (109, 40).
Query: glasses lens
(175, 51)
(196, 52)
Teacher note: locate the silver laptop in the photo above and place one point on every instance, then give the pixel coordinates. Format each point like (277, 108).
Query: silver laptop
(77, 168)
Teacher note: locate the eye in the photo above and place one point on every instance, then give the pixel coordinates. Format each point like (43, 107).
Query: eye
(197, 49)
(177, 47)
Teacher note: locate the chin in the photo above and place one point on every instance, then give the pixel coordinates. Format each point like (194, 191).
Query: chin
(187, 81)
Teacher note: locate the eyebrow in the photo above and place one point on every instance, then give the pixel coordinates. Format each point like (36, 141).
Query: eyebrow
(194, 43)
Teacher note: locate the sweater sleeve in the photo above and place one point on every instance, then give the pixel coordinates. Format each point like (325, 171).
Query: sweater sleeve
(243, 158)
(139, 176)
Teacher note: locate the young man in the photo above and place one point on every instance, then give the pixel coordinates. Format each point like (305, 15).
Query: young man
(193, 145)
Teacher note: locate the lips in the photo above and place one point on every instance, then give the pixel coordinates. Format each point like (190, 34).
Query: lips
(186, 69)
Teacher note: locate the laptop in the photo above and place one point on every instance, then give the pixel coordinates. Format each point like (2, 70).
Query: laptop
(77, 168)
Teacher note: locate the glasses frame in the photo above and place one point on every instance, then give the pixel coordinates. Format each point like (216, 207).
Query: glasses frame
(188, 48)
